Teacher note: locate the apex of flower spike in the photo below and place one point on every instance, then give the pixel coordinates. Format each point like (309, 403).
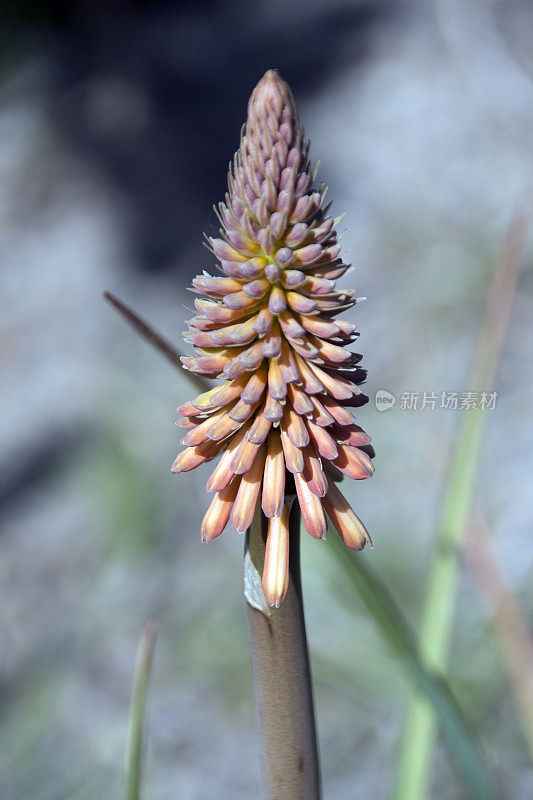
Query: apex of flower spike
(271, 89)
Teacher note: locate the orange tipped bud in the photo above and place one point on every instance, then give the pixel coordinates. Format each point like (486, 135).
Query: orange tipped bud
(222, 474)
(348, 525)
(277, 388)
(321, 417)
(192, 457)
(242, 411)
(324, 443)
(219, 511)
(313, 515)
(296, 428)
(337, 387)
(200, 433)
(255, 385)
(294, 459)
(249, 488)
(274, 477)
(354, 463)
(313, 472)
(300, 401)
(228, 392)
(309, 381)
(204, 402)
(222, 427)
(244, 457)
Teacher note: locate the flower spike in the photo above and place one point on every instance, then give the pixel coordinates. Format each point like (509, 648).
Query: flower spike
(267, 328)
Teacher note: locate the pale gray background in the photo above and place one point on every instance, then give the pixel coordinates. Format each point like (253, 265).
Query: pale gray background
(116, 128)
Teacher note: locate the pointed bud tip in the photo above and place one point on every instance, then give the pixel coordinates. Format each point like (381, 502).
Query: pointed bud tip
(270, 81)
(270, 87)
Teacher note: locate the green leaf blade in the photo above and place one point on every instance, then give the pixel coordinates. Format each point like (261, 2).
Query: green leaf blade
(465, 752)
(136, 728)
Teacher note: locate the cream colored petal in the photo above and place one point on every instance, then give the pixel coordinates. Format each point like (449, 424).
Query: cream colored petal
(228, 392)
(277, 388)
(219, 511)
(260, 428)
(310, 382)
(337, 387)
(274, 477)
(199, 434)
(324, 443)
(296, 427)
(246, 500)
(300, 401)
(294, 459)
(276, 566)
(204, 402)
(313, 473)
(350, 528)
(354, 463)
(244, 457)
(192, 457)
(222, 474)
(255, 385)
(311, 509)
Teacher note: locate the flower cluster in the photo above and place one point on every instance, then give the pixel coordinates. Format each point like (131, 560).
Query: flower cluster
(268, 326)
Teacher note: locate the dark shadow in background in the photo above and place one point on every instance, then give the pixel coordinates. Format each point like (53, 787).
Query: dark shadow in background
(154, 93)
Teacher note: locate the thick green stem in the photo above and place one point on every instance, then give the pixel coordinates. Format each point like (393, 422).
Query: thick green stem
(281, 674)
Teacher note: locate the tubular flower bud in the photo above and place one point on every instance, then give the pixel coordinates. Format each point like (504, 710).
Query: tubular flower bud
(267, 328)
(276, 567)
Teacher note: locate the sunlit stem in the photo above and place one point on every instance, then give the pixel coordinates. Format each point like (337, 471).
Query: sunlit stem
(281, 674)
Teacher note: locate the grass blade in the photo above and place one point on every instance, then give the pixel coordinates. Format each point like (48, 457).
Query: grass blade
(465, 753)
(135, 744)
(421, 727)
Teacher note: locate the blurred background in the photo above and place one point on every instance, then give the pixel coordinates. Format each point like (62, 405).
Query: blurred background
(117, 123)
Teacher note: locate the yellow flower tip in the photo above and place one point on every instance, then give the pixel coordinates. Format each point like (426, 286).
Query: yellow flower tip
(276, 567)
